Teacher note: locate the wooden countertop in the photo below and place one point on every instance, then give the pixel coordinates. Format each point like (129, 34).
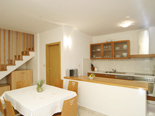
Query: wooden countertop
(113, 82)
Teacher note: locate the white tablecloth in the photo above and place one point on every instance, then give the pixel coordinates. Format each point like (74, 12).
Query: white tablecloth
(31, 103)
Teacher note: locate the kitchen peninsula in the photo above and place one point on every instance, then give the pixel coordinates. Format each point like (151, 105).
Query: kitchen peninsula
(112, 97)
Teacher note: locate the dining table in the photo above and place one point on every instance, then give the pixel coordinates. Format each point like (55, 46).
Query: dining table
(28, 102)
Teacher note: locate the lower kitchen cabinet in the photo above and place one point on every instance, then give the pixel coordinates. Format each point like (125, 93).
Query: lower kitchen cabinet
(3, 88)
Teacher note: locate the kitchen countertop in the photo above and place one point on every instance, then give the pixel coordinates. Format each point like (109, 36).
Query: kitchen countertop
(113, 82)
(123, 74)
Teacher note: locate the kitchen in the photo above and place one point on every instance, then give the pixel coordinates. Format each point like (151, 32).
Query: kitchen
(138, 69)
(75, 47)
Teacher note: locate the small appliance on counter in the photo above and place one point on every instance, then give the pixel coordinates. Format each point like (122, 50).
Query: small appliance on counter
(72, 72)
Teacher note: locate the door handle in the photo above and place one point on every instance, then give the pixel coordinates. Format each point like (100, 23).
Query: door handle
(50, 69)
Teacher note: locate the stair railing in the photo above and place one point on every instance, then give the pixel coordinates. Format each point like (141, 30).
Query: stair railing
(13, 46)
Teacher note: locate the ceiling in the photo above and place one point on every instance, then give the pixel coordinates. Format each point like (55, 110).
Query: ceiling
(94, 17)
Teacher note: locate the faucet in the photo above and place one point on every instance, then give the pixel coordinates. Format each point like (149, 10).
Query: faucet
(114, 70)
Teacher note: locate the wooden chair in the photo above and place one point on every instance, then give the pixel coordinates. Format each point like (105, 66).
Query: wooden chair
(59, 83)
(21, 84)
(1, 109)
(69, 107)
(73, 86)
(10, 110)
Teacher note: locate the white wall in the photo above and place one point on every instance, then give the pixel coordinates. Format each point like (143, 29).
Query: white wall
(71, 56)
(138, 65)
(129, 35)
(79, 49)
(33, 63)
(111, 100)
(152, 40)
(51, 36)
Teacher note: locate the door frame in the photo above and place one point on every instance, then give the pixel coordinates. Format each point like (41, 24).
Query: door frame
(47, 59)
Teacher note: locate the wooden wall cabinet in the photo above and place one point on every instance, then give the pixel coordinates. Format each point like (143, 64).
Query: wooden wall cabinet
(110, 50)
(96, 51)
(121, 49)
(3, 88)
(19, 75)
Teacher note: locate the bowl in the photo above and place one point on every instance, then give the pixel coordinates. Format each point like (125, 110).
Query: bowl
(125, 46)
(117, 48)
(117, 56)
(124, 54)
(91, 78)
(98, 50)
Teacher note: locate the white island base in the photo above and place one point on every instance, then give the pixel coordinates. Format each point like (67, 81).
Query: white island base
(111, 100)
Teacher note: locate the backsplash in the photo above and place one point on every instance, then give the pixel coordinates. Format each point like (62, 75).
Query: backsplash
(138, 65)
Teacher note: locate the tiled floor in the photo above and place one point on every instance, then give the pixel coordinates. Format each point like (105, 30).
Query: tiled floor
(86, 112)
(150, 109)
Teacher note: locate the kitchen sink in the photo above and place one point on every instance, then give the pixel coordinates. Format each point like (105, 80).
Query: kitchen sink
(115, 72)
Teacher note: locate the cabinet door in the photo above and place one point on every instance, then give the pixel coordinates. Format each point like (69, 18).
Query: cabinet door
(108, 50)
(96, 51)
(15, 77)
(29, 76)
(3, 88)
(20, 76)
(121, 49)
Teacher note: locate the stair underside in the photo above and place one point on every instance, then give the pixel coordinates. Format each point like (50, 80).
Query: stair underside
(6, 69)
(11, 62)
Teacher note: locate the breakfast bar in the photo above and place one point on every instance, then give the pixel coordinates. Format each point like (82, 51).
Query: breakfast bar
(127, 98)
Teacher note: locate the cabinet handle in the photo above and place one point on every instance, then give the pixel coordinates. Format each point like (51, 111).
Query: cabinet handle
(22, 72)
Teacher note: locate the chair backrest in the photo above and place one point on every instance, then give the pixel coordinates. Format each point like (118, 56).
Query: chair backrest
(70, 107)
(21, 84)
(9, 109)
(73, 86)
(59, 83)
(1, 108)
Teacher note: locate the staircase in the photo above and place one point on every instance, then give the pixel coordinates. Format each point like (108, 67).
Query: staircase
(16, 48)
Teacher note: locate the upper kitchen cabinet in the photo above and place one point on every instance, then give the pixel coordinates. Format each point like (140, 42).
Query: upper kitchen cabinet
(121, 49)
(96, 51)
(110, 50)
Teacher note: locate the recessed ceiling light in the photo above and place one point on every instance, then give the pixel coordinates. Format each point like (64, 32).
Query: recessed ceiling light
(126, 24)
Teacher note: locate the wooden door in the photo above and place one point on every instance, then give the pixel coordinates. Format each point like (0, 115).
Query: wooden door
(53, 64)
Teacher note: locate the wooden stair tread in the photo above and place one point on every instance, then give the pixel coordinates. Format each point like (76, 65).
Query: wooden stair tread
(19, 59)
(10, 64)
(15, 47)
(3, 70)
(26, 55)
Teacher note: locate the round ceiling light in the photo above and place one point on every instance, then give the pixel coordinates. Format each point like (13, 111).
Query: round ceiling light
(126, 24)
